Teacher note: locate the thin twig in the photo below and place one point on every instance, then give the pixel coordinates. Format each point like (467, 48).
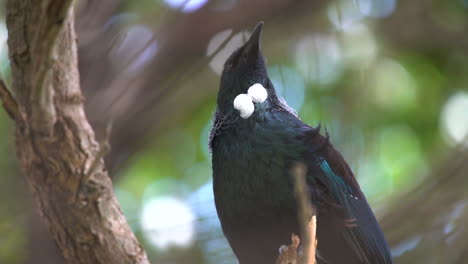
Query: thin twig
(290, 254)
(306, 214)
(104, 149)
(308, 220)
(312, 246)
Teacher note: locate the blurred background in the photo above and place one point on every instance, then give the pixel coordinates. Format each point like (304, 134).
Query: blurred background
(387, 78)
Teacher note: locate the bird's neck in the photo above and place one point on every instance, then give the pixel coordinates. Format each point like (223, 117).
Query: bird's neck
(228, 120)
(226, 113)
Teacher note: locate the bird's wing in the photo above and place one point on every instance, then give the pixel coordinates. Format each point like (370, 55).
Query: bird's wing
(360, 229)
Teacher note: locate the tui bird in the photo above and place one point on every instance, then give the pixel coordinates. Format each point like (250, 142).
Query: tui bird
(255, 141)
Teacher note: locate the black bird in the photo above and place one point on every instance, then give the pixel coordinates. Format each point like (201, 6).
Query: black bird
(252, 156)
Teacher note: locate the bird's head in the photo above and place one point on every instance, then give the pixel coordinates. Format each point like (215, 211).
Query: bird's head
(244, 68)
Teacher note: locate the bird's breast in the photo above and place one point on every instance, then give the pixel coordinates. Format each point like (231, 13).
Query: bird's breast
(251, 179)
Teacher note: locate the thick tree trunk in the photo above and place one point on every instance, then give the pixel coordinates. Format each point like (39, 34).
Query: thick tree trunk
(55, 144)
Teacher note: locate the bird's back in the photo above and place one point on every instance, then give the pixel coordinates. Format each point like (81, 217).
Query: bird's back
(346, 226)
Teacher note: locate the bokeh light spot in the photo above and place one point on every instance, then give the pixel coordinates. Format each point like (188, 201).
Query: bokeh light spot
(454, 217)
(344, 13)
(289, 84)
(209, 234)
(318, 58)
(400, 154)
(217, 40)
(168, 221)
(186, 6)
(359, 45)
(4, 60)
(135, 49)
(405, 246)
(392, 85)
(217, 62)
(377, 8)
(455, 118)
(3, 38)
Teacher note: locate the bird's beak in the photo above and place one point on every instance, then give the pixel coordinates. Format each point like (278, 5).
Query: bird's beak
(252, 46)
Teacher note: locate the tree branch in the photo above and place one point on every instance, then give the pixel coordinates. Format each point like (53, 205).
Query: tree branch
(9, 103)
(54, 14)
(56, 145)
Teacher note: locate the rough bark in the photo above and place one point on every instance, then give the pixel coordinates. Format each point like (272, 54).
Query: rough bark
(55, 143)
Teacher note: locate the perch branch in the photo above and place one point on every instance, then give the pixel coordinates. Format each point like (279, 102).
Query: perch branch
(289, 254)
(306, 213)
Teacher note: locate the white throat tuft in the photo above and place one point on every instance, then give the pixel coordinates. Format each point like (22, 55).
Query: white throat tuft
(244, 103)
(258, 93)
